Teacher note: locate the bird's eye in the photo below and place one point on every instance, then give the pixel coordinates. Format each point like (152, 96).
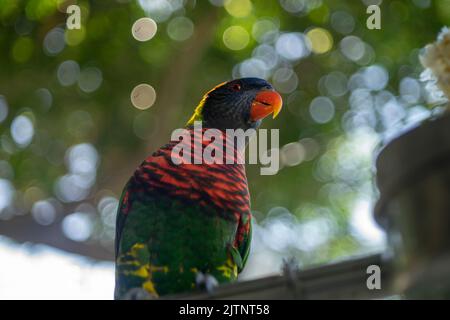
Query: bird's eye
(236, 87)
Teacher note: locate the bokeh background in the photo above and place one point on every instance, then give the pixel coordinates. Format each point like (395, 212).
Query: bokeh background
(70, 136)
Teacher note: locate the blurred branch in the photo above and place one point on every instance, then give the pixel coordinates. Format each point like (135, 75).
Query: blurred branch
(24, 229)
(170, 96)
(178, 75)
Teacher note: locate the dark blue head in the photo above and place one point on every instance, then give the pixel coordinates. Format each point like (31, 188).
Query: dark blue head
(238, 104)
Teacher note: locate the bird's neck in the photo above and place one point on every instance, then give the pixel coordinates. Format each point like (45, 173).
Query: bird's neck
(222, 141)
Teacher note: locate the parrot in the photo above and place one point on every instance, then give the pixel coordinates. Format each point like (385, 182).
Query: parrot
(187, 226)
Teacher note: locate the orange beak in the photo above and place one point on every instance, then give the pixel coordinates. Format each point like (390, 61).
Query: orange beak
(265, 103)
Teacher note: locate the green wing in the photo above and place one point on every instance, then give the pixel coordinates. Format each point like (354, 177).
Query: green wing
(244, 237)
(165, 242)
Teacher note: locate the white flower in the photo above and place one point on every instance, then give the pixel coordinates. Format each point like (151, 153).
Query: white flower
(436, 58)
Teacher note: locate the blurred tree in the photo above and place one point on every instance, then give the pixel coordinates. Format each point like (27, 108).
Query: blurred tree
(70, 136)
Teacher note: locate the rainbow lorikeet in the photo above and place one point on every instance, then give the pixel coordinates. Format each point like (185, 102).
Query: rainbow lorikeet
(180, 223)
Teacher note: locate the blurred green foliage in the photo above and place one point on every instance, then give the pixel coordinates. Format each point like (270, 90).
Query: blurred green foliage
(328, 169)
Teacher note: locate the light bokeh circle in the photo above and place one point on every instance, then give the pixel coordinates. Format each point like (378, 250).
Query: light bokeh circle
(144, 29)
(143, 96)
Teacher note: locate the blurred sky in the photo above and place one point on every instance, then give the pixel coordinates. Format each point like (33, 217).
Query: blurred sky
(31, 271)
